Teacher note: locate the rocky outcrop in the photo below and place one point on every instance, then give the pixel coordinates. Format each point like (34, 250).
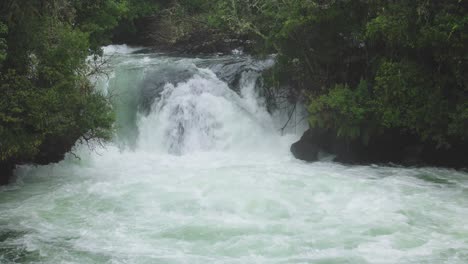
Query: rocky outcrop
(389, 147)
(305, 149)
(6, 172)
(210, 42)
(182, 35)
(52, 150)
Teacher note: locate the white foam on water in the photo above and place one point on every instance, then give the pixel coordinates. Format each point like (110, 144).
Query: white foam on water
(120, 49)
(211, 180)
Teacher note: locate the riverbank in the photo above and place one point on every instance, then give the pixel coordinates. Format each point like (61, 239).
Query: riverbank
(390, 148)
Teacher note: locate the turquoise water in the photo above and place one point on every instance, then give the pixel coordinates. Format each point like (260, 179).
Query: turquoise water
(205, 177)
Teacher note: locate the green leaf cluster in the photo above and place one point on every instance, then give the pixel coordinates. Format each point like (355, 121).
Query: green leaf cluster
(3, 43)
(343, 109)
(411, 55)
(46, 98)
(100, 17)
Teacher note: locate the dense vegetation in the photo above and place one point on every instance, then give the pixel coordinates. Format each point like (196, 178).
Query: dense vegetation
(368, 66)
(47, 101)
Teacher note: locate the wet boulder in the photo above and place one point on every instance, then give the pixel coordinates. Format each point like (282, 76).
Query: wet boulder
(306, 148)
(305, 151)
(391, 146)
(6, 171)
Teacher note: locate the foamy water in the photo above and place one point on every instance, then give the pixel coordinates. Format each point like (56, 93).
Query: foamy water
(199, 173)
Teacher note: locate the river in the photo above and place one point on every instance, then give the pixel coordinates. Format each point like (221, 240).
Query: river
(199, 172)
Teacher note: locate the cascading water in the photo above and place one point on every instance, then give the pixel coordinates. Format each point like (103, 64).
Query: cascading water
(200, 114)
(199, 173)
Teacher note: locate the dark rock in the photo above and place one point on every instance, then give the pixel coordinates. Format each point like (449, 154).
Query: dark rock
(181, 36)
(392, 146)
(6, 171)
(412, 155)
(155, 82)
(307, 148)
(456, 156)
(211, 42)
(306, 151)
(53, 150)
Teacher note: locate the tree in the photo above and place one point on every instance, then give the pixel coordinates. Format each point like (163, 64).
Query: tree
(412, 56)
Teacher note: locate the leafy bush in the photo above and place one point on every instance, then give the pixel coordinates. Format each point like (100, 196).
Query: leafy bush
(342, 109)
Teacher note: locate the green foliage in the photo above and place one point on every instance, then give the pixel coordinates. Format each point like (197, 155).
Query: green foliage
(18, 105)
(458, 125)
(412, 54)
(403, 100)
(139, 8)
(398, 99)
(29, 115)
(100, 17)
(397, 89)
(3, 44)
(61, 52)
(343, 109)
(392, 25)
(195, 6)
(44, 87)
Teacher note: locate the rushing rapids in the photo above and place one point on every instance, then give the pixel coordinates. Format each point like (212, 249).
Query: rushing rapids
(199, 173)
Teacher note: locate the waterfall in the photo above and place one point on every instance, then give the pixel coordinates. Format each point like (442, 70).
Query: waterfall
(185, 105)
(200, 172)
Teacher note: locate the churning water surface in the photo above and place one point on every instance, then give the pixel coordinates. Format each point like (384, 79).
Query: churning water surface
(199, 173)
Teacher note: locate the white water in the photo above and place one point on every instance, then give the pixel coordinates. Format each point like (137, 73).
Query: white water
(202, 175)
